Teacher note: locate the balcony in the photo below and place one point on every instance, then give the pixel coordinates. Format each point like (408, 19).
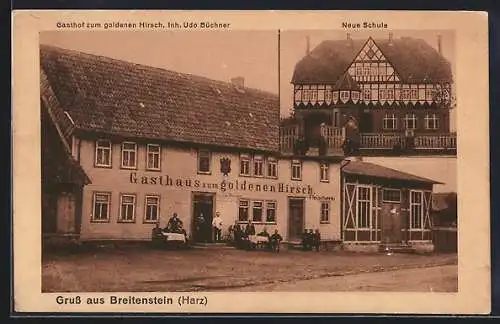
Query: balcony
(369, 143)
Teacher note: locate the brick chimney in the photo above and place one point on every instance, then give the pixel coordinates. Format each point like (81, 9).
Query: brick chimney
(238, 82)
(439, 45)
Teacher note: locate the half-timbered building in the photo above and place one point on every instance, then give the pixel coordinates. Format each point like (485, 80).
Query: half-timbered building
(382, 95)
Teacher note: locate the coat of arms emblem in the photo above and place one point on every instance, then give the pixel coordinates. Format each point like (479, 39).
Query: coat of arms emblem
(225, 166)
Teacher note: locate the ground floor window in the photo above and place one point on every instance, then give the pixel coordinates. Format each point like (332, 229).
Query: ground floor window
(127, 208)
(416, 210)
(102, 201)
(363, 207)
(152, 209)
(257, 211)
(325, 212)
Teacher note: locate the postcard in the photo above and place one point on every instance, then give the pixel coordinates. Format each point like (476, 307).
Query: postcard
(251, 162)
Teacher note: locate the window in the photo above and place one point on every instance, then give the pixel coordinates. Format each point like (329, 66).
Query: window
(344, 95)
(258, 166)
(355, 95)
(271, 212)
(410, 121)
(431, 121)
(127, 208)
(257, 211)
(429, 94)
(367, 94)
(314, 95)
(416, 220)
(405, 94)
(390, 121)
(203, 161)
(414, 94)
(323, 171)
(103, 153)
(244, 164)
(152, 209)
(101, 207)
(129, 154)
(328, 95)
(335, 96)
(306, 95)
(359, 71)
(296, 170)
(391, 195)
(382, 94)
(363, 211)
(325, 212)
(272, 168)
(366, 70)
(243, 210)
(390, 94)
(153, 153)
(374, 71)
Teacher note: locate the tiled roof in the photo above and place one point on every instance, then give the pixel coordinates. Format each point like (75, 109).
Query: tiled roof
(414, 60)
(378, 171)
(346, 82)
(131, 100)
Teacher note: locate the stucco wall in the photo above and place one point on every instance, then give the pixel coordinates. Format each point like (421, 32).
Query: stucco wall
(182, 164)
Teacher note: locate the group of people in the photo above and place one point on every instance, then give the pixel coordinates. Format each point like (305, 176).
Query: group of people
(311, 240)
(241, 237)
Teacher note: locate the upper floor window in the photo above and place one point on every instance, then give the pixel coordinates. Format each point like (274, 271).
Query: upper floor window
(306, 95)
(127, 208)
(244, 164)
(405, 94)
(414, 94)
(429, 94)
(323, 167)
(344, 95)
(355, 95)
(314, 95)
(366, 70)
(382, 94)
(431, 121)
(359, 70)
(367, 94)
(390, 94)
(272, 168)
(153, 156)
(296, 170)
(258, 166)
(328, 95)
(325, 212)
(103, 153)
(102, 201)
(129, 155)
(204, 161)
(390, 121)
(410, 121)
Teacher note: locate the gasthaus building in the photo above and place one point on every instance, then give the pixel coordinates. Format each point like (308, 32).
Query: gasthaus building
(145, 143)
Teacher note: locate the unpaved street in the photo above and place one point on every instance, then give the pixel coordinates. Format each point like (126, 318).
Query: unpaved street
(433, 279)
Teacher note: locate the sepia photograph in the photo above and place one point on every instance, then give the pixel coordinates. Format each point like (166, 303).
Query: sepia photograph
(180, 165)
(156, 178)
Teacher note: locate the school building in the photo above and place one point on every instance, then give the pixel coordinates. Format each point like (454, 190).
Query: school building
(136, 144)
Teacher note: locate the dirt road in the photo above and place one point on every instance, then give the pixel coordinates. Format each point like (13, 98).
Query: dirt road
(433, 279)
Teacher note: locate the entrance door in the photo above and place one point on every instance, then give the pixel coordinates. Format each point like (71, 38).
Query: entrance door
(295, 218)
(203, 208)
(366, 122)
(391, 223)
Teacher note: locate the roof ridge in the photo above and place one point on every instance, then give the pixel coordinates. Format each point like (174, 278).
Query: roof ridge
(160, 69)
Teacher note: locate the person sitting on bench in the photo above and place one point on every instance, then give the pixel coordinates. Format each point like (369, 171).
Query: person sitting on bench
(275, 241)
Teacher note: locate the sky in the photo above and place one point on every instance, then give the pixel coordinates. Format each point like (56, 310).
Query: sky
(221, 55)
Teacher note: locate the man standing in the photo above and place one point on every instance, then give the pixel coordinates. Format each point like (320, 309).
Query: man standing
(217, 225)
(275, 241)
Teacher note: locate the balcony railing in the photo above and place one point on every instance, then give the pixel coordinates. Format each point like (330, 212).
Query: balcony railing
(334, 138)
